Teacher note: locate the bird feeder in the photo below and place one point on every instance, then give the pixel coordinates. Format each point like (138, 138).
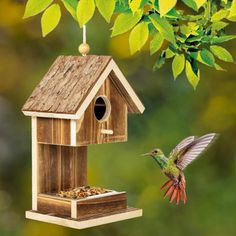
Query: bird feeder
(80, 101)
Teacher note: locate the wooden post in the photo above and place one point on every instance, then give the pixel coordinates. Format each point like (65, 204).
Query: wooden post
(73, 133)
(74, 209)
(34, 163)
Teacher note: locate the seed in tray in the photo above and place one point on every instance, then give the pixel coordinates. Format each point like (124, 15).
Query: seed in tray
(82, 192)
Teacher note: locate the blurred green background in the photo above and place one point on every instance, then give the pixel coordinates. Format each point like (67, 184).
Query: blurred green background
(173, 111)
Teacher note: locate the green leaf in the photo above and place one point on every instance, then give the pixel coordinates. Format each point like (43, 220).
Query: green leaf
(222, 39)
(164, 27)
(194, 39)
(191, 3)
(232, 13)
(192, 77)
(85, 11)
(218, 67)
(181, 38)
(207, 57)
(106, 8)
(50, 19)
(159, 62)
(169, 53)
(156, 43)
(71, 6)
(34, 7)
(200, 3)
(185, 30)
(197, 57)
(221, 53)
(122, 6)
(125, 22)
(138, 37)
(134, 5)
(174, 14)
(166, 6)
(221, 14)
(190, 29)
(178, 65)
(216, 26)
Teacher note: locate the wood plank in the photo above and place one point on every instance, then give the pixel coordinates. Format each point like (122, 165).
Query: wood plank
(54, 206)
(126, 214)
(34, 163)
(74, 209)
(56, 131)
(100, 205)
(65, 132)
(67, 171)
(119, 115)
(134, 103)
(53, 131)
(44, 130)
(55, 168)
(73, 130)
(49, 168)
(51, 115)
(80, 166)
(61, 167)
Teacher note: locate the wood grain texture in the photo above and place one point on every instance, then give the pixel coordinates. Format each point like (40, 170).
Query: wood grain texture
(82, 208)
(54, 206)
(73, 132)
(53, 131)
(89, 128)
(133, 102)
(107, 218)
(34, 163)
(66, 85)
(61, 168)
(70, 85)
(102, 205)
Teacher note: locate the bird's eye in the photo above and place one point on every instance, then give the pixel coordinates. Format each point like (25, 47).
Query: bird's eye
(155, 151)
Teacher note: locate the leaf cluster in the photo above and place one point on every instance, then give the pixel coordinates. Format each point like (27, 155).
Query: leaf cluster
(188, 37)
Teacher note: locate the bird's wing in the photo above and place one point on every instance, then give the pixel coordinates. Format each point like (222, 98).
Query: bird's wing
(176, 152)
(193, 150)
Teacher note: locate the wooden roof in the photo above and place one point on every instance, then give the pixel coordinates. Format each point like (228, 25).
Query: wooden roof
(72, 82)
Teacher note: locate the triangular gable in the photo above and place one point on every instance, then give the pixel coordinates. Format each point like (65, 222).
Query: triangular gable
(99, 70)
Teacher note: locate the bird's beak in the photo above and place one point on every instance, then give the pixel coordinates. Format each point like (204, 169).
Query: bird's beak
(146, 154)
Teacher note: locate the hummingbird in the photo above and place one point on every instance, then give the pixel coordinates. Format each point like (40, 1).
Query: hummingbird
(174, 165)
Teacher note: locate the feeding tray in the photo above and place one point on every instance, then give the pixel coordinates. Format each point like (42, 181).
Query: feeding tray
(69, 208)
(82, 202)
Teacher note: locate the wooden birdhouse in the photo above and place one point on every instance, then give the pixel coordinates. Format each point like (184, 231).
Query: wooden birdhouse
(80, 101)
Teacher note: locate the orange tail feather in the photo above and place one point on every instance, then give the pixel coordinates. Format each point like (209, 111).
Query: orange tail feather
(167, 184)
(169, 191)
(178, 196)
(173, 195)
(176, 189)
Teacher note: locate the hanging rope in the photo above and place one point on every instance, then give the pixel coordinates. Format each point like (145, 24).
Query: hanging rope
(84, 34)
(84, 47)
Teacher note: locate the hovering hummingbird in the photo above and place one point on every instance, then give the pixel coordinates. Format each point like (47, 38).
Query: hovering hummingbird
(181, 156)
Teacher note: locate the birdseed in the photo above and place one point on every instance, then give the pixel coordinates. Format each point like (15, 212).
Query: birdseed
(83, 192)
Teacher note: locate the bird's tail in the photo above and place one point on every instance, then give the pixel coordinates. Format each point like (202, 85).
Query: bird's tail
(176, 189)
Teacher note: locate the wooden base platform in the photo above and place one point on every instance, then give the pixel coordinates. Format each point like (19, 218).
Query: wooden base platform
(125, 214)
